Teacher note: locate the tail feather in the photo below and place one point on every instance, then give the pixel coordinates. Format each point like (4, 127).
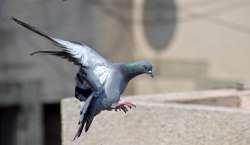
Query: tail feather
(88, 123)
(79, 131)
(86, 116)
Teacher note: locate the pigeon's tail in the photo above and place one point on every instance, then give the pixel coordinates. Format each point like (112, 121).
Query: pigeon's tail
(79, 131)
(35, 30)
(85, 123)
(86, 116)
(88, 122)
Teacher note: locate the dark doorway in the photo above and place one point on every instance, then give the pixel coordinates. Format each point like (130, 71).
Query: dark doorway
(8, 125)
(52, 124)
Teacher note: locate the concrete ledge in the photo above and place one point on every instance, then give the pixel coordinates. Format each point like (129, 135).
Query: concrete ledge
(160, 124)
(223, 97)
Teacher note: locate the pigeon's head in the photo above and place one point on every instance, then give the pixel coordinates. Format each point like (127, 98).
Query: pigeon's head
(139, 67)
(146, 67)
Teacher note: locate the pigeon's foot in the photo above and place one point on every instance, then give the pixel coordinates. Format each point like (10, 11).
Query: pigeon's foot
(124, 106)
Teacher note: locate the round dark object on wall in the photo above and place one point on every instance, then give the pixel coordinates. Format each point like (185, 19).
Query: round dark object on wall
(159, 22)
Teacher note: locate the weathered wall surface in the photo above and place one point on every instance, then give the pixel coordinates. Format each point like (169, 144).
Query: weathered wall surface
(155, 123)
(225, 97)
(209, 45)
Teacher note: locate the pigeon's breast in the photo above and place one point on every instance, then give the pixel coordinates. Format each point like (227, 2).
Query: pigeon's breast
(114, 86)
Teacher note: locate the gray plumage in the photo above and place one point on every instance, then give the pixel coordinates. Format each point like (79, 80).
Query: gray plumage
(99, 83)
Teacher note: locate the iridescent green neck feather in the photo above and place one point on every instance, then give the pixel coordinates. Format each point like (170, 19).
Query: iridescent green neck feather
(135, 68)
(132, 69)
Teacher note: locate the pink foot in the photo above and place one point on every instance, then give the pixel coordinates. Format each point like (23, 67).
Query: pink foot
(124, 105)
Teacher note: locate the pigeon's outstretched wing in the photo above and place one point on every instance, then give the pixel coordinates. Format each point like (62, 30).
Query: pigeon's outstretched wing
(75, 52)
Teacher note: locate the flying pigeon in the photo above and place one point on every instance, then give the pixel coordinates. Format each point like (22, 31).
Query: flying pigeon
(99, 82)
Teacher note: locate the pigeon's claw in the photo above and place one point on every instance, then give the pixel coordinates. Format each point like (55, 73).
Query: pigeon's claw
(124, 106)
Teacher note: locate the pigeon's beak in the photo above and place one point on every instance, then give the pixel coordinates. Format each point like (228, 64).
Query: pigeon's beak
(151, 73)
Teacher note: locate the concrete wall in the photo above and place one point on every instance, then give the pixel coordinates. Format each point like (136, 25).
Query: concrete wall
(26, 97)
(157, 123)
(209, 45)
(226, 98)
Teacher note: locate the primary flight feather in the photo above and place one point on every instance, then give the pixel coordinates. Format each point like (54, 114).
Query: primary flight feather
(99, 82)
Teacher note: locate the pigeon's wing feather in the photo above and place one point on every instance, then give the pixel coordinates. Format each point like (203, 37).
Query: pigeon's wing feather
(75, 52)
(78, 52)
(88, 58)
(82, 89)
(83, 53)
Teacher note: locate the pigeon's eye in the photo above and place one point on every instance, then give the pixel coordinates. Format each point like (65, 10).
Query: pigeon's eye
(145, 67)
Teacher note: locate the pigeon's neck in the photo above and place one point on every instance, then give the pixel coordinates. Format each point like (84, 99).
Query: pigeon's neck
(130, 70)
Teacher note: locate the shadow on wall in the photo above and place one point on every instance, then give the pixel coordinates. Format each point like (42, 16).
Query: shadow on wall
(159, 19)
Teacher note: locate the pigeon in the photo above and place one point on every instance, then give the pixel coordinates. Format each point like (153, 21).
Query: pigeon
(99, 82)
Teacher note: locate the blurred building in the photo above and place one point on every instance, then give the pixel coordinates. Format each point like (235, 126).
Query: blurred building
(195, 44)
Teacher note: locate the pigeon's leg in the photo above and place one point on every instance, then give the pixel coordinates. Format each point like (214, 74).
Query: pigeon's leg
(124, 105)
